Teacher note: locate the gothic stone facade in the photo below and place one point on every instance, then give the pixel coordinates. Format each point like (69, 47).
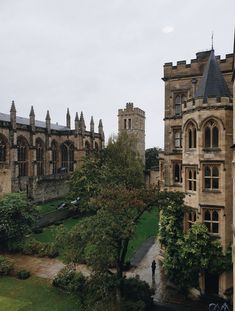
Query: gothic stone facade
(132, 120)
(197, 155)
(37, 156)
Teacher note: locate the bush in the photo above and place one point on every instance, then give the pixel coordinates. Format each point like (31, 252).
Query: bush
(137, 291)
(37, 230)
(70, 280)
(34, 247)
(5, 266)
(23, 275)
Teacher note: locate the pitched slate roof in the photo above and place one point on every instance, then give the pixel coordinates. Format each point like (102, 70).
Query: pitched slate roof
(25, 121)
(212, 83)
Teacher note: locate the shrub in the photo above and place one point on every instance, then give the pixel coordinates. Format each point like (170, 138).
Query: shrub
(23, 275)
(34, 247)
(5, 266)
(70, 280)
(135, 290)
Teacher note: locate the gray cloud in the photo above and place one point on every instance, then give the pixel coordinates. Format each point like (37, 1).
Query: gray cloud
(97, 55)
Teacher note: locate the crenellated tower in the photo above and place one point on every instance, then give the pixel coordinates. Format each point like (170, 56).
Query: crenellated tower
(132, 120)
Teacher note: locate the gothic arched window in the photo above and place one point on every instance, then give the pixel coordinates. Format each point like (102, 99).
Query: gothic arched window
(3, 148)
(211, 133)
(179, 101)
(22, 156)
(191, 179)
(39, 157)
(192, 217)
(54, 157)
(67, 156)
(191, 136)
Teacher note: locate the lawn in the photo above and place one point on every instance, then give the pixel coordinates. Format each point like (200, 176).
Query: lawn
(34, 294)
(147, 226)
(49, 206)
(49, 233)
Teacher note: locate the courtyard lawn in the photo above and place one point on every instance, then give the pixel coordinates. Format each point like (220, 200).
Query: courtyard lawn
(9, 304)
(147, 227)
(34, 294)
(49, 233)
(49, 206)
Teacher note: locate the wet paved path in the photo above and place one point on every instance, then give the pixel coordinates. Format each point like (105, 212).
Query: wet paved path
(42, 267)
(166, 297)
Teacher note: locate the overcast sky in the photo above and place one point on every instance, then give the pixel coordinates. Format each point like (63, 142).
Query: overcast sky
(96, 55)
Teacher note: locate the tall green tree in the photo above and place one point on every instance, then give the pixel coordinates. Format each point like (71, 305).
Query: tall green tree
(102, 240)
(151, 158)
(117, 164)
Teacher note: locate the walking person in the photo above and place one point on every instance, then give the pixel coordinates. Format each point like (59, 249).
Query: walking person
(153, 266)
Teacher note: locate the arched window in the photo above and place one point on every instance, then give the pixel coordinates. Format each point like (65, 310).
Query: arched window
(191, 136)
(22, 156)
(67, 156)
(39, 156)
(87, 147)
(211, 220)
(211, 135)
(54, 157)
(211, 177)
(3, 148)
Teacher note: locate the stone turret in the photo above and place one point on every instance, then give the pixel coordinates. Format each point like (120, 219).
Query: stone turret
(82, 124)
(76, 123)
(32, 119)
(101, 130)
(68, 119)
(92, 127)
(13, 115)
(48, 122)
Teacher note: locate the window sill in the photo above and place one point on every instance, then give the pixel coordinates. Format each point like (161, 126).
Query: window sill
(191, 192)
(211, 150)
(177, 184)
(212, 190)
(179, 150)
(191, 149)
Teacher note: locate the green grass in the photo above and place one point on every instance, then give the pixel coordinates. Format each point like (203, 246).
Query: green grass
(147, 227)
(9, 304)
(49, 206)
(49, 233)
(34, 294)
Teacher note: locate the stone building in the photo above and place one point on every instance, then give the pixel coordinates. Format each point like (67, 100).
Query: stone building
(37, 156)
(197, 155)
(132, 120)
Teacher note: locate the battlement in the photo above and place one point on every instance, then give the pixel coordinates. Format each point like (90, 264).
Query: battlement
(209, 102)
(130, 109)
(195, 67)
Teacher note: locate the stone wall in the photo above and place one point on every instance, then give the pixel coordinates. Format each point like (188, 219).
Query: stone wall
(42, 189)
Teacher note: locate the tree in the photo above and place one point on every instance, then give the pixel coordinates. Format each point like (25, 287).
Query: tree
(102, 240)
(16, 218)
(151, 158)
(118, 164)
(188, 255)
(113, 183)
